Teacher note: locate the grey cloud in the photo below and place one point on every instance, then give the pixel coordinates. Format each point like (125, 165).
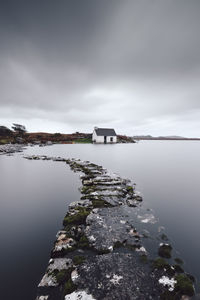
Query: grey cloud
(129, 64)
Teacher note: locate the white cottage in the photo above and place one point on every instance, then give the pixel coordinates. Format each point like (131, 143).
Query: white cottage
(104, 136)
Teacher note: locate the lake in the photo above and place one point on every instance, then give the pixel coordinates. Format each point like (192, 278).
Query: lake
(35, 196)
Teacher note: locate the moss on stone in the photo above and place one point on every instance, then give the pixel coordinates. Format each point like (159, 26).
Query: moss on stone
(184, 285)
(160, 263)
(78, 218)
(83, 243)
(99, 203)
(178, 268)
(165, 251)
(68, 250)
(78, 259)
(178, 261)
(69, 287)
(68, 229)
(62, 275)
(87, 189)
(129, 189)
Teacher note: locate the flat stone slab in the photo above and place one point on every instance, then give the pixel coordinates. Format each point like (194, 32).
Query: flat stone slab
(118, 276)
(108, 193)
(108, 226)
(102, 181)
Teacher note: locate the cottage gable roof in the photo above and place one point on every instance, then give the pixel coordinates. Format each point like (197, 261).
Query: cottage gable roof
(105, 132)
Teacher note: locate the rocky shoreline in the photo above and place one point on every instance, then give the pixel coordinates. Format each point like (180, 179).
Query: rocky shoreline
(11, 148)
(106, 249)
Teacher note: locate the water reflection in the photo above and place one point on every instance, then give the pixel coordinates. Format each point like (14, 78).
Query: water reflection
(34, 200)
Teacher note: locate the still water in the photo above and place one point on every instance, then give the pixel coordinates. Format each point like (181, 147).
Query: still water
(35, 195)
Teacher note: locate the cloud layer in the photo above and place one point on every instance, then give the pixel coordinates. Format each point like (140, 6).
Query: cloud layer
(69, 65)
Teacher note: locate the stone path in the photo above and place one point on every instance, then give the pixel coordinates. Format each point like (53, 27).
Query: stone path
(104, 250)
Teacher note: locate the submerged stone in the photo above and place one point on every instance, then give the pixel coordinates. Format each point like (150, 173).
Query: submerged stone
(184, 285)
(165, 250)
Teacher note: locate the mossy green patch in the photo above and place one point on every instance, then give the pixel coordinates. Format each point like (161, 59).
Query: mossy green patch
(62, 275)
(77, 218)
(87, 189)
(83, 141)
(178, 261)
(99, 203)
(69, 287)
(129, 189)
(178, 269)
(4, 141)
(63, 252)
(160, 263)
(184, 285)
(83, 242)
(165, 251)
(78, 259)
(68, 229)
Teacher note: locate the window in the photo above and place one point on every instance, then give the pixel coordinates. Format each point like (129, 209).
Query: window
(111, 139)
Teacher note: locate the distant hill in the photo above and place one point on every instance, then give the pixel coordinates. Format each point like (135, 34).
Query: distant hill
(176, 137)
(170, 137)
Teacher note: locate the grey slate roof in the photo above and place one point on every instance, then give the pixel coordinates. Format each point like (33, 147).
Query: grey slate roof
(105, 132)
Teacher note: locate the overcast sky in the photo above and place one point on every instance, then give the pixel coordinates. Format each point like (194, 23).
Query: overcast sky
(70, 65)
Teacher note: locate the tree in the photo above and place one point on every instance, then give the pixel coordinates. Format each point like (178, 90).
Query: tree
(20, 129)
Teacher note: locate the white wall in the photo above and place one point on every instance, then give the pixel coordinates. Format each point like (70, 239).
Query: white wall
(100, 139)
(114, 139)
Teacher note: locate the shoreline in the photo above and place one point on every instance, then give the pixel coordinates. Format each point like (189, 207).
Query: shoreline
(93, 244)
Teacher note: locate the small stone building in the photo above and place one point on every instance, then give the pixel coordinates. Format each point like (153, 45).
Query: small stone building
(104, 136)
